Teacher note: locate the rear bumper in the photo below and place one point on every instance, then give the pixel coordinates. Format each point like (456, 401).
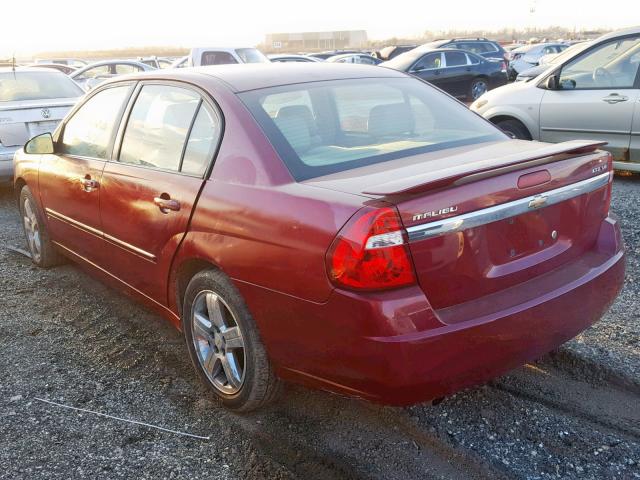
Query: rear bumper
(420, 354)
(629, 166)
(6, 167)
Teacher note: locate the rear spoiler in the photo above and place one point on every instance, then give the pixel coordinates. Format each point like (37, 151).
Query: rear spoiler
(465, 173)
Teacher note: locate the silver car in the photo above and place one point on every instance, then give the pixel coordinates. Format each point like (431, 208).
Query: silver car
(95, 73)
(594, 94)
(32, 101)
(527, 56)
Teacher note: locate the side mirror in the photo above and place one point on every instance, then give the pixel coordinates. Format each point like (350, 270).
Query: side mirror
(40, 145)
(552, 82)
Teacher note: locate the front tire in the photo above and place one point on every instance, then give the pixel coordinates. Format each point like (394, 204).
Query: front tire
(514, 128)
(224, 344)
(43, 252)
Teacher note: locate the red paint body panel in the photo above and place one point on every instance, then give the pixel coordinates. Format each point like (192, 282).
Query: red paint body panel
(477, 310)
(139, 246)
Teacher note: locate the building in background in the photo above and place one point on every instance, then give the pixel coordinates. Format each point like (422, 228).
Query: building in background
(315, 41)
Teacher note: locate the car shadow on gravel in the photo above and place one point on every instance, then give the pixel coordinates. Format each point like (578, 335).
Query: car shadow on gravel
(70, 339)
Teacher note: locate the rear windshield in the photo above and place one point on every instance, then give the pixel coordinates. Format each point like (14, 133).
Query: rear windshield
(21, 86)
(251, 55)
(320, 128)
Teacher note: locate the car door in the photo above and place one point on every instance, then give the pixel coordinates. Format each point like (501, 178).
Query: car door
(166, 145)
(456, 74)
(634, 147)
(69, 180)
(429, 68)
(595, 97)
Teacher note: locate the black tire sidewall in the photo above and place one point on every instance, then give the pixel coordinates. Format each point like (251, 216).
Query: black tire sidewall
(515, 128)
(48, 255)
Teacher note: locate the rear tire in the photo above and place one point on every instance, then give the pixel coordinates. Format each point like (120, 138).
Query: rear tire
(43, 252)
(224, 344)
(514, 128)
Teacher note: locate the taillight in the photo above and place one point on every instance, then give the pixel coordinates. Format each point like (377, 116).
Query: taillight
(370, 252)
(503, 66)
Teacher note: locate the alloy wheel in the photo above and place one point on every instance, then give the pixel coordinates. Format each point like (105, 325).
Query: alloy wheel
(32, 230)
(218, 342)
(478, 89)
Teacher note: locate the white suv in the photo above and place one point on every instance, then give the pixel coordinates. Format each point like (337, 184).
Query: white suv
(594, 94)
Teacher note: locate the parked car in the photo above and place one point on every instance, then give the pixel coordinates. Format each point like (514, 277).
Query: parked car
(528, 56)
(592, 94)
(462, 74)
(480, 46)
(156, 62)
(551, 59)
(180, 62)
(95, 73)
(392, 51)
(202, 56)
(394, 247)
(66, 69)
(331, 53)
(360, 58)
(290, 57)
(73, 62)
(32, 101)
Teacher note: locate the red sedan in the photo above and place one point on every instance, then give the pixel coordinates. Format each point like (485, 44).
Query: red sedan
(346, 227)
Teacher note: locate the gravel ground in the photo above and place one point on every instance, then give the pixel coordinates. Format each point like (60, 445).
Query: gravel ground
(67, 338)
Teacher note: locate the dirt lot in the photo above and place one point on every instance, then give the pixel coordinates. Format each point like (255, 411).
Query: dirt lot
(67, 338)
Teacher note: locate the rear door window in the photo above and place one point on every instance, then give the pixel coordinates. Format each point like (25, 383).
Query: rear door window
(455, 59)
(89, 132)
(126, 68)
(202, 142)
(158, 126)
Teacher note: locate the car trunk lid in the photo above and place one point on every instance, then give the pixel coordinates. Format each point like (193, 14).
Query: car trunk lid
(481, 221)
(20, 121)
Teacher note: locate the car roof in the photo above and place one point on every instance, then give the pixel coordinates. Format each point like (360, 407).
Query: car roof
(264, 75)
(254, 76)
(619, 33)
(109, 62)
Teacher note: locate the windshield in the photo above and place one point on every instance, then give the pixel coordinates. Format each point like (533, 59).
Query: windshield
(251, 55)
(570, 52)
(404, 60)
(21, 86)
(320, 128)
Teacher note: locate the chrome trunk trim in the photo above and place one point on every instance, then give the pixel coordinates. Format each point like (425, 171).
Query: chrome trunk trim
(506, 210)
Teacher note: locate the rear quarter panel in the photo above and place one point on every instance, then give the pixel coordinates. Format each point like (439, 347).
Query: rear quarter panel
(254, 222)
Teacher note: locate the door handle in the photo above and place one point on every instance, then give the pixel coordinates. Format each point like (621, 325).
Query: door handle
(615, 98)
(166, 204)
(88, 184)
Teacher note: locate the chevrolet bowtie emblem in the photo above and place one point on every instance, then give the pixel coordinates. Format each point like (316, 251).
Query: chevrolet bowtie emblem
(538, 202)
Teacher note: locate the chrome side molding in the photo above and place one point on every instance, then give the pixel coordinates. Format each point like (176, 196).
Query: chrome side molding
(506, 210)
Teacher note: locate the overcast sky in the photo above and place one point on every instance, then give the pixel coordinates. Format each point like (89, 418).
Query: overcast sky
(30, 26)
